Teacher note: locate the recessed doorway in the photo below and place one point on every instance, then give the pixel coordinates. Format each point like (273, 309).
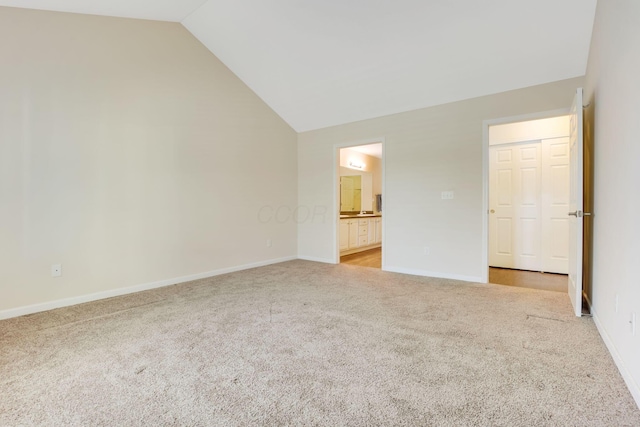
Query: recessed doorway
(359, 194)
(528, 203)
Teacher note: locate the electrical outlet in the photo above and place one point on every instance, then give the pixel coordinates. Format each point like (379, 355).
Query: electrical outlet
(426, 250)
(56, 270)
(268, 243)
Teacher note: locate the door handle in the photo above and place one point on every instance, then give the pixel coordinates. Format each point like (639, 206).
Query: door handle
(577, 214)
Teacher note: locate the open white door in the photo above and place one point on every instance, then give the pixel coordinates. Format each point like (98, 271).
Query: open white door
(576, 204)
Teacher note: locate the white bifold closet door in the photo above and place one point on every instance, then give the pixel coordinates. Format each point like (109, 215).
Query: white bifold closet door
(528, 201)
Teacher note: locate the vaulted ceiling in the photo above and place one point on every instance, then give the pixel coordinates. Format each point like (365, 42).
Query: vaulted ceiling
(323, 63)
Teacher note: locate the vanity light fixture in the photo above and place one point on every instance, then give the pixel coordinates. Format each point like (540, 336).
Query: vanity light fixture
(356, 165)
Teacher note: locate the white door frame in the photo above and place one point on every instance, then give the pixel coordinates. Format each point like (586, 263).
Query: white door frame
(576, 203)
(485, 173)
(336, 192)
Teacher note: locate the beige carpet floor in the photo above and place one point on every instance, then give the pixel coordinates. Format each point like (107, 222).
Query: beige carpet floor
(302, 343)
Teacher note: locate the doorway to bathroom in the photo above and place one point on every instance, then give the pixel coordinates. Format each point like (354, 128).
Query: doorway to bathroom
(360, 205)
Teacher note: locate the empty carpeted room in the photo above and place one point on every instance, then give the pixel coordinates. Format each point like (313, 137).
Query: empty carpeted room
(170, 206)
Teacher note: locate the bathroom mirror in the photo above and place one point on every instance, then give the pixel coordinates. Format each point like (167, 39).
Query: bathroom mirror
(356, 193)
(351, 193)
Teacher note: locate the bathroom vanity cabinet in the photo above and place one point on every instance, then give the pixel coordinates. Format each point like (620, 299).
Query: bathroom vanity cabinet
(360, 234)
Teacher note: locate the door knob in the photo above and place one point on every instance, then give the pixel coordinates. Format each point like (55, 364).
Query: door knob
(492, 211)
(577, 214)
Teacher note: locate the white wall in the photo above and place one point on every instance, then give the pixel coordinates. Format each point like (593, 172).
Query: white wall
(613, 91)
(531, 130)
(131, 155)
(427, 151)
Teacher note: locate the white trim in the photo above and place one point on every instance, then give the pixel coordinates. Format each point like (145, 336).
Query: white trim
(632, 385)
(385, 202)
(417, 272)
(484, 268)
(336, 192)
(317, 259)
(66, 302)
(530, 141)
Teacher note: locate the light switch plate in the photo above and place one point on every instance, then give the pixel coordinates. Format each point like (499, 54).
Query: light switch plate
(447, 195)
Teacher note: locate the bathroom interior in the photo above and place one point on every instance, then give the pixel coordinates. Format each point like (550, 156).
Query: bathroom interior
(360, 230)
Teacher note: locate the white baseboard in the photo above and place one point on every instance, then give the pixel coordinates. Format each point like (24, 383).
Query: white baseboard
(417, 272)
(314, 259)
(632, 385)
(66, 302)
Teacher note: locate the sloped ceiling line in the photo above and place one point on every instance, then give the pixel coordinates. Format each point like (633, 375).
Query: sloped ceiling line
(319, 64)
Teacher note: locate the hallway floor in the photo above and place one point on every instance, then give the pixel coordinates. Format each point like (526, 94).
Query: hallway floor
(529, 279)
(499, 276)
(371, 258)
